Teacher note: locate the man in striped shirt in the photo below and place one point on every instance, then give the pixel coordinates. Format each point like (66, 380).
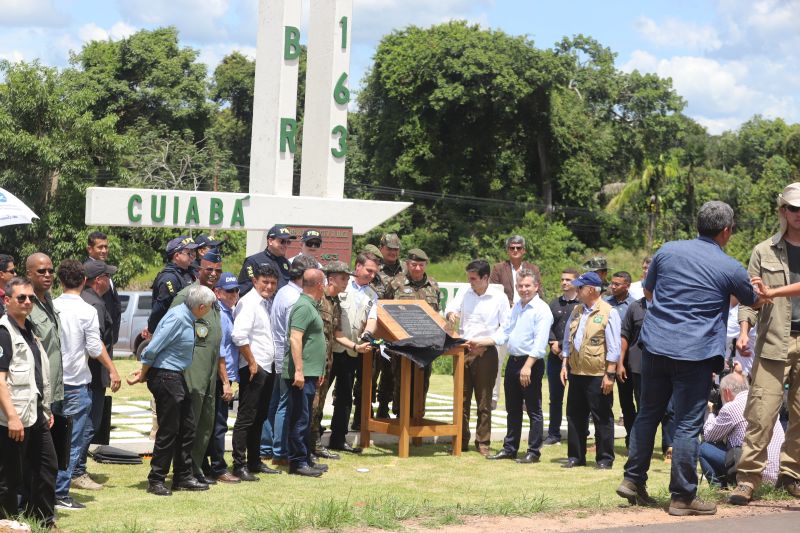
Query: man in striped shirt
(725, 431)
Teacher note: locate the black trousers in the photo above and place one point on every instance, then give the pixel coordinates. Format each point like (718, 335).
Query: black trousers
(343, 372)
(532, 396)
(214, 462)
(357, 386)
(383, 389)
(254, 396)
(176, 424)
(628, 401)
(29, 467)
(397, 365)
(585, 397)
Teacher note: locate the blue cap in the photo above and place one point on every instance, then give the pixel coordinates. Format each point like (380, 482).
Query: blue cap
(180, 243)
(227, 281)
(588, 278)
(212, 256)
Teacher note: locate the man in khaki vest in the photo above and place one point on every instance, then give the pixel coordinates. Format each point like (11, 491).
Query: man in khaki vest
(590, 354)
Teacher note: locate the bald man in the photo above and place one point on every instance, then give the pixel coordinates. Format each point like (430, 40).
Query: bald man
(44, 317)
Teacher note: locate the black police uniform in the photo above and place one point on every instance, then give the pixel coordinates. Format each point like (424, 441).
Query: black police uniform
(280, 264)
(167, 284)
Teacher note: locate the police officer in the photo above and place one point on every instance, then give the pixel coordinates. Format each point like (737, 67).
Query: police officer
(201, 375)
(416, 285)
(204, 244)
(171, 280)
(278, 238)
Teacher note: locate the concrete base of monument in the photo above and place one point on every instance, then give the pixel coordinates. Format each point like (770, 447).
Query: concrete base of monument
(144, 446)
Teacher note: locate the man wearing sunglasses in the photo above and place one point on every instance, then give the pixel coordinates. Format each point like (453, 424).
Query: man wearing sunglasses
(310, 244)
(26, 445)
(7, 271)
(171, 280)
(777, 355)
(201, 375)
(44, 317)
(278, 239)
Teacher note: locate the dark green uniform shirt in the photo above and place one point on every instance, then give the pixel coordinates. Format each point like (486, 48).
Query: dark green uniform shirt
(202, 373)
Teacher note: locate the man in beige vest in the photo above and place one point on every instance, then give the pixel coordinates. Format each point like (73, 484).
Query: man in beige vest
(590, 354)
(26, 446)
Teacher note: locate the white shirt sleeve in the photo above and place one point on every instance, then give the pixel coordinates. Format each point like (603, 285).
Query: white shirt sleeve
(242, 323)
(93, 342)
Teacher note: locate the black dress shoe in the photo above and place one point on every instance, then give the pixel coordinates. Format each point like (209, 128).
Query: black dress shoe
(605, 466)
(202, 478)
(319, 466)
(261, 468)
(306, 471)
(159, 489)
(356, 425)
(383, 411)
(346, 447)
(502, 454)
(325, 453)
(244, 474)
(572, 463)
(189, 484)
(530, 457)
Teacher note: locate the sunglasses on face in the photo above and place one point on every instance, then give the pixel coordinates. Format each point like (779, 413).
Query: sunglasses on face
(212, 269)
(235, 290)
(11, 271)
(515, 248)
(43, 271)
(313, 244)
(792, 208)
(22, 297)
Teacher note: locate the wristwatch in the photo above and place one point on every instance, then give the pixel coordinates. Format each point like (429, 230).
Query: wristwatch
(611, 375)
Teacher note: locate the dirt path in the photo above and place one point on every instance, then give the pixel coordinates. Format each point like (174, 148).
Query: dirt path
(585, 521)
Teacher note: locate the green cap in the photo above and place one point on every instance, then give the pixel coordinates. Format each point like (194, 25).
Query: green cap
(337, 267)
(415, 254)
(371, 248)
(390, 240)
(596, 263)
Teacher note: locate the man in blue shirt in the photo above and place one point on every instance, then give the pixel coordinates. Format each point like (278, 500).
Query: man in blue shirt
(526, 334)
(163, 363)
(227, 293)
(688, 285)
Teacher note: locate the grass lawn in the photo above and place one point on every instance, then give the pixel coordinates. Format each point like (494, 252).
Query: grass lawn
(430, 485)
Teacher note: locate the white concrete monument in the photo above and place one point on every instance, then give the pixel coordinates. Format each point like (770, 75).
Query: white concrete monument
(274, 142)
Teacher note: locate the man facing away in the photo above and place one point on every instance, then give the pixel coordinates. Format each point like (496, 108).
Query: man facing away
(683, 336)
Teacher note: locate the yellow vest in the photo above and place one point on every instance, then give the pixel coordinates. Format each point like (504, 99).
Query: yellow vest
(590, 360)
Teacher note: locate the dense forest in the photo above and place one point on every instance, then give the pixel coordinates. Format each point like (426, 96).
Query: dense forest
(485, 132)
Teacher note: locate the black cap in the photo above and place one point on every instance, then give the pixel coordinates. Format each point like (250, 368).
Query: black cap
(203, 241)
(279, 231)
(311, 235)
(213, 256)
(94, 269)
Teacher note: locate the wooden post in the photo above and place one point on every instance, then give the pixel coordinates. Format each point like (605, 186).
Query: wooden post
(458, 395)
(366, 397)
(405, 407)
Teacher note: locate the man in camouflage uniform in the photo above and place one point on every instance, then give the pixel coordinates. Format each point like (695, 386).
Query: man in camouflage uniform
(416, 285)
(201, 375)
(331, 311)
(599, 265)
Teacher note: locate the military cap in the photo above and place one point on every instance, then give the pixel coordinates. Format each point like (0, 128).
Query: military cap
(596, 263)
(390, 240)
(337, 267)
(212, 256)
(415, 254)
(372, 249)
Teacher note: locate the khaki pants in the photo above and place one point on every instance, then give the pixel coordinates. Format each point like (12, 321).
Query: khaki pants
(479, 375)
(763, 406)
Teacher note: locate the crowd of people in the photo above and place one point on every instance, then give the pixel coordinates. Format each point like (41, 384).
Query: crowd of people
(288, 330)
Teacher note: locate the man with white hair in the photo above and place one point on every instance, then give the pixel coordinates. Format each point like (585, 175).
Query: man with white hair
(163, 363)
(777, 356)
(724, 431)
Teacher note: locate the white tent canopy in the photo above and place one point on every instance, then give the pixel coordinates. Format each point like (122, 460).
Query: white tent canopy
(13, 211)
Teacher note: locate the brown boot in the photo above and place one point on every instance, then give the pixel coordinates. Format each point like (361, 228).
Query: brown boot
(694, 507)
(483, 449)
(789, 484)
(635, 494)
(741, 495)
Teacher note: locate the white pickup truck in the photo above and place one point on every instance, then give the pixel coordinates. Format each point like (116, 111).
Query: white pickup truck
(136, 308)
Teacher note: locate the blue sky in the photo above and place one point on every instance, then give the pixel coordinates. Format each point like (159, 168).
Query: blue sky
(730, 59)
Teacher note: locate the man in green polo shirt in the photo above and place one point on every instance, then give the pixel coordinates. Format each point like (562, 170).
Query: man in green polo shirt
(306, 353)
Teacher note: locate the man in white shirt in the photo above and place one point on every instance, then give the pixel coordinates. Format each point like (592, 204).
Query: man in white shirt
(252, 333)
(635, 290)
(479, 313)
(80, 339)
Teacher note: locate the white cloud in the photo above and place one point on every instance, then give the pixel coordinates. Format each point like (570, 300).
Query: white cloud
(38, 13)
(93, 32)
(199, 21)
(716, 126)
(213, 54)
(676, 33)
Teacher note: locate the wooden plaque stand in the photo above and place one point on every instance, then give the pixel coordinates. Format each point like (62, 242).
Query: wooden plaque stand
(410, 425)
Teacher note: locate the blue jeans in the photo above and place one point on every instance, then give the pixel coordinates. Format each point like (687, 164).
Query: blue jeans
(688, 383)
(300, 400)
(275, 432)
(712, 460)
(98, 395)
(76, 404)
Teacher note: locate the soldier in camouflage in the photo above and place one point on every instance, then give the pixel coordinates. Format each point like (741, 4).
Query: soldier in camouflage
(416, 285)
(600, 265)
